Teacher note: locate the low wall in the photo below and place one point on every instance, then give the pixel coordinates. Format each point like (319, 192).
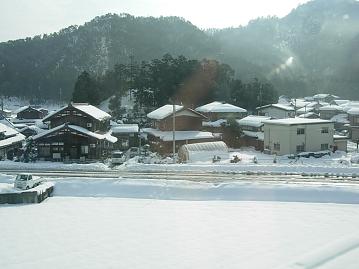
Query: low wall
(26, 197)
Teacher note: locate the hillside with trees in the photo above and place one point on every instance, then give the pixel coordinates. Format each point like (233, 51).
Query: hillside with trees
(313, 49)
(172, 79)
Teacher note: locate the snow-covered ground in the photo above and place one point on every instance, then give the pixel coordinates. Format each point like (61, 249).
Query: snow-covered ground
(119, 223)
(77, 232)
(337, 164)
(13, 103)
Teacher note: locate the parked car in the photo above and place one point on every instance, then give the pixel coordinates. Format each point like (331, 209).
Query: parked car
(27, 181)
(118, 157)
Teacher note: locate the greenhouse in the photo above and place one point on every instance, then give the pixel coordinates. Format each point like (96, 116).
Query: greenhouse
(207, 151)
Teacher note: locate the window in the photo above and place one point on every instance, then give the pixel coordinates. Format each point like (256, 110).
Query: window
(300, 148)
(277, 146)
(324, 147)
(44, 151)
(325, 130)
(89, 124)
(84, 149)
(300, 131)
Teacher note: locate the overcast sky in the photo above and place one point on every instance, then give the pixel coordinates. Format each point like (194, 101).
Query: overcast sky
(22, 18)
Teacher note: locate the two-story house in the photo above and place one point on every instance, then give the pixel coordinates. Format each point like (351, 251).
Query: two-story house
(187, 127)
(296, 135)
(78, 131)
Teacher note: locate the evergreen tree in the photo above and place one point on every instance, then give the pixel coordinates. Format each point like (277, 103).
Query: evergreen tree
(86, 90)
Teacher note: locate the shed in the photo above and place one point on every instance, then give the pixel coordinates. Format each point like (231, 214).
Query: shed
(203, 151)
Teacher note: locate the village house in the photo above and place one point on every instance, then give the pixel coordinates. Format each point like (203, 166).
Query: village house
(354, 123)
(188, 124)
(251, 128)
(10, 142)
(30, 112)
(277, 111)
(127, 135)
(296, 135)
(329, 111)
(30, 130)
(221, 111)
(78, 131)
(325, 97)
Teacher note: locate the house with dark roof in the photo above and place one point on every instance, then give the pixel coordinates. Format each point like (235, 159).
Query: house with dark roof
(78, 131)
(30, 113)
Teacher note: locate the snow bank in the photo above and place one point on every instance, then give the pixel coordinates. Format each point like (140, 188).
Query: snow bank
(226, 191)
(52, 166)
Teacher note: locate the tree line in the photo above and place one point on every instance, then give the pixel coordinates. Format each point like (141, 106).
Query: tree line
(173, 79)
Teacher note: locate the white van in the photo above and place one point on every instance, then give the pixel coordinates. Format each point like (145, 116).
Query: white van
(118, 157)
(27, 181)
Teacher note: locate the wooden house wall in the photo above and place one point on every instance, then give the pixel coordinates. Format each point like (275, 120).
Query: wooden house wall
(30, 113)
(69, 144)
(131, 138)
(183, 123)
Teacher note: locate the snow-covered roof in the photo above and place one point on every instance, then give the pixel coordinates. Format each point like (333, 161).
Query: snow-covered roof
(214, 124)
(331, 107)
(299, 103)
(308, 115)
(163, 112)
(353, 111)
(21, 109)
(340, 118)
(12, 136)
(125, 128)
(296, 121)
(305, 109)
(258, 135)
(340, 101)
(340, 137)
(219, 107)
(88, 109)
(324, 95)
(32, 127)
(279, 106)
(92, 111)
(7, 131)
(106, 136)
(252, 120)
(179, 135)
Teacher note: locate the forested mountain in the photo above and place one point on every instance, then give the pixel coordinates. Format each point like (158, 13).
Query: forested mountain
(313, 49)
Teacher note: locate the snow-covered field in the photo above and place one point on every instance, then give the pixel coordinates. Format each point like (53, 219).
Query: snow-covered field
(119, 223)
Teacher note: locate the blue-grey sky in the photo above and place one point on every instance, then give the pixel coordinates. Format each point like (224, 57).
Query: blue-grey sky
(22, 18)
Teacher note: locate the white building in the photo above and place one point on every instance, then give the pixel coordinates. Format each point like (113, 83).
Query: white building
(277, 111)
(296, 135)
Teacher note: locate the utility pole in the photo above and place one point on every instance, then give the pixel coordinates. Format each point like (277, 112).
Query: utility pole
(174, 130)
